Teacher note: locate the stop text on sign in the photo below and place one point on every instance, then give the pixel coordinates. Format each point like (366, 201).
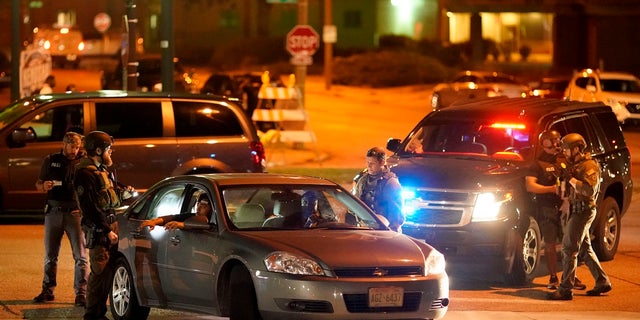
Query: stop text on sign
(302, 40)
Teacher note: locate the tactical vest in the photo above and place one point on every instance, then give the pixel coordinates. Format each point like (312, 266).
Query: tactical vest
(107, 196)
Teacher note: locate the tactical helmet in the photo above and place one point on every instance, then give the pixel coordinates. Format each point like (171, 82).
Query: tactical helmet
(95, 140)
(573, 140)
(551, 135)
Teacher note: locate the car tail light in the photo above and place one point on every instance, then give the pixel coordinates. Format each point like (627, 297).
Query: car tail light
(81, 46)
(257, 153)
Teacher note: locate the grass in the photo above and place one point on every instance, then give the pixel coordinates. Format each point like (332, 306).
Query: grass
(342, 176)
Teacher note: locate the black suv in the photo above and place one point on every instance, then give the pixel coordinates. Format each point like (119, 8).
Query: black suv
(463, 170)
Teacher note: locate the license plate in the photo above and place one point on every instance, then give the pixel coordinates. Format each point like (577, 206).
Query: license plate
(386, 297)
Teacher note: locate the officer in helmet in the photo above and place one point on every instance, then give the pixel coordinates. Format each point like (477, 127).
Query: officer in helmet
(98, 195)
(543, 180)
(583, 177)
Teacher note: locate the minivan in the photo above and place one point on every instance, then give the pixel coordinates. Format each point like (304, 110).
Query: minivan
(156, 135)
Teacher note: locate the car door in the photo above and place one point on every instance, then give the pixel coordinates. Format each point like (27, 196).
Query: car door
(150, 246)
(50, 124)
(143, 155)
(191, 260)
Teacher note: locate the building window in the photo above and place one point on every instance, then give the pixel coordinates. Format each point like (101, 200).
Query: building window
(65, 19)
(353, 19)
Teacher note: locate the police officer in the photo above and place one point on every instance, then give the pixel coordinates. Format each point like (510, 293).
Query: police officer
(543, 181)
(62, 216)
(98, 196)
(583, 179)
(380, 189)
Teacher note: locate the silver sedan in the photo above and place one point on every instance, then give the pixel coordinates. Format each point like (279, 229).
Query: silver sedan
(271, 247)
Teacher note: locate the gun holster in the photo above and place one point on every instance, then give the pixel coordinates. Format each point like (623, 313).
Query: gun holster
(90, 236)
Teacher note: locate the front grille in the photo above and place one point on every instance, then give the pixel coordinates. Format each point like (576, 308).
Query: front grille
(359, 303)
(436, 216)
(378, 272)
(437, 207)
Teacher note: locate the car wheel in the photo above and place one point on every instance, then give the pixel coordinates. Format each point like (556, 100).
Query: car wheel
(528, 256)
(606, 230)
(531, 243)
(122, 297)
(243, 302)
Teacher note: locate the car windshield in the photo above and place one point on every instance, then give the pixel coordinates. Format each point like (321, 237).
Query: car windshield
(620, 85)
(289, 207)
(14, 111)
(498, 140)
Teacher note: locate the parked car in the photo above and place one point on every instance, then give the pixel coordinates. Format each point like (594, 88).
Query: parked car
(150, 76)
(256, 259)
(619, 90)
(463, 169)
(550, 87)
(156, 135)
(65, 45)
(471, 85)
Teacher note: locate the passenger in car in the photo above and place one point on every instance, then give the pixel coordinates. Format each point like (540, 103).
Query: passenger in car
(172, 222)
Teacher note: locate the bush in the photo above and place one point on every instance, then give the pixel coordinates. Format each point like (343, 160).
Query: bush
(388, 69)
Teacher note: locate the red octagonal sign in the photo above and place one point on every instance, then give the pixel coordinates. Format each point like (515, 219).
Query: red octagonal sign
(302, 40)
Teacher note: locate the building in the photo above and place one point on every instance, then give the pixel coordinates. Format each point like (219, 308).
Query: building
(572, 34)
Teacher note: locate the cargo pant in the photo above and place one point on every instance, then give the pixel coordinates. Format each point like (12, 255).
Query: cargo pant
(577, 242)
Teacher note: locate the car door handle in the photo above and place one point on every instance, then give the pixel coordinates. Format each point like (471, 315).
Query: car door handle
(175, 240)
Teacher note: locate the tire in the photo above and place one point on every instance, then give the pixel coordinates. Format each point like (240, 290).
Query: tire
(528, 258)
(123, 299)
(606, 230)
(243, 302)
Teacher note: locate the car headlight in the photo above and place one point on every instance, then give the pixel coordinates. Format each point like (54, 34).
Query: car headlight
(435, 264)
(488, 205)
(285, 262)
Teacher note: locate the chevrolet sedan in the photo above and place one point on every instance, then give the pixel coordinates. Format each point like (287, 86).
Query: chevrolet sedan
(274, 247)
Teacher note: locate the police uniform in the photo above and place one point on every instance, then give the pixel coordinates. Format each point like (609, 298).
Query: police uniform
(576, 241)
(98, 197)
(547, 171)
(62, 216)
(382, 193)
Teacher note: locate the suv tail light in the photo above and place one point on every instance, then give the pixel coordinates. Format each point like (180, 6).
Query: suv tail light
(257, 153)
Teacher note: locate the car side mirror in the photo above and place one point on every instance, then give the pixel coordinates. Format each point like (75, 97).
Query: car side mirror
(20, 136)
(393, 145)
(591, 88)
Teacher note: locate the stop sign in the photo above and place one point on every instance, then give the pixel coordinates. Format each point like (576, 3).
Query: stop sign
(302, 40)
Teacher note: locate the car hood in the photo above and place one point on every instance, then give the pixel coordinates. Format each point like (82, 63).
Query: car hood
(457, 172)
(347, 248)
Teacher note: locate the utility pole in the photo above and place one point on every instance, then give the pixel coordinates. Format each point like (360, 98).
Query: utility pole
(131, 69)
(329, 35)
(167, 46)
(16, 36)
(301, 70)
